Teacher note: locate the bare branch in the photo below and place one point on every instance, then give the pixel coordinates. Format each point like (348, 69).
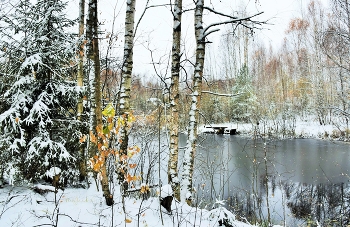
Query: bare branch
(78, 222)
(340, 110)
(239, 20)
(220, 94)
(139, 21)
(212, 31)
(221, 14)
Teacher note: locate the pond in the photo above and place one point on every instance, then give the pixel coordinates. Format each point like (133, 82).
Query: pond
(296, 182)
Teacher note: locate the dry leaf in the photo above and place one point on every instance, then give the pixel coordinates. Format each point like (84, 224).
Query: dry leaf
(132, 166)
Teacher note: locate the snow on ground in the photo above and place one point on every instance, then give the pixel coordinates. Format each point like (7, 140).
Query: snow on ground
(22, 206)
(303, 129)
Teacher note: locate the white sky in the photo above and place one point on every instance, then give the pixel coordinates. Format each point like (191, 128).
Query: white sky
(155, 28)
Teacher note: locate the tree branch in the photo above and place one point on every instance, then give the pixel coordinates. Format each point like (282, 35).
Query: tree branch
(220, 94)
(142, 15)
(221, 14)
(239, 20)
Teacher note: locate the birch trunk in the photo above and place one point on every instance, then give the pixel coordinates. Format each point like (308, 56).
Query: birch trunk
(95, 89)
(174, 101)
(80, 76)
(190, 150)
(124, 101)
(81, 55)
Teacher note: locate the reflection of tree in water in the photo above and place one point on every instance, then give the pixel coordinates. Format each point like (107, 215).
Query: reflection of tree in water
(325, 204)
(300, 202)
(321, 204)
(243, 205)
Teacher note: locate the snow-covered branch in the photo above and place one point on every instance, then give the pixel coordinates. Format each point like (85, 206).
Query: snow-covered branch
(220, 94)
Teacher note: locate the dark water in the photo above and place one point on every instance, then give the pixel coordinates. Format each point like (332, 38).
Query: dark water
(295, 182)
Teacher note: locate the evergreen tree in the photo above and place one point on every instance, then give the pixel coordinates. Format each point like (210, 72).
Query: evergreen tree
(243, 104)
(37, 127)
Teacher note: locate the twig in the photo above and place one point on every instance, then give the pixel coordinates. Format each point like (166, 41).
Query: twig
(220, 94)
(78, 222)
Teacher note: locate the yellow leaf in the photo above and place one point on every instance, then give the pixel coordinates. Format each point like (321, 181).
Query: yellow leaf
(17, 119)
(144, 189)
(128, 220)
(131, 118)
(120, 121)
(109, 111)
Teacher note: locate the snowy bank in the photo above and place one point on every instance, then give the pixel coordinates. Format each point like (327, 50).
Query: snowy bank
(21, 206)
(298, 129)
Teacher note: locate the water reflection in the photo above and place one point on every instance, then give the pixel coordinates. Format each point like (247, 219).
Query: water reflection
(289, 182)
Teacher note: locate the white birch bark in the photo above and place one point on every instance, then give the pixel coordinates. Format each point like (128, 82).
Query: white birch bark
(80, 76)
(124, 102)
(173, 177)
(80, 55)
(190, 150)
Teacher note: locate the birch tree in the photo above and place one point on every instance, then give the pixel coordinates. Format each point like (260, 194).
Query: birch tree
(186, 183)
(95, 90)
(124, 102)
(174, 100)
(201, 34)
(80, 76)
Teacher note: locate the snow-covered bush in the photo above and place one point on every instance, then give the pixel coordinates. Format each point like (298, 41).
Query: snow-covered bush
(221, 215)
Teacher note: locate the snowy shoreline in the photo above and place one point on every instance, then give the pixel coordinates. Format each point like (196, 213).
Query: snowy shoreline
(301, 130)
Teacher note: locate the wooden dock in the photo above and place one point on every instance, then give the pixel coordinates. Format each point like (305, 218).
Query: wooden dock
(218, 129)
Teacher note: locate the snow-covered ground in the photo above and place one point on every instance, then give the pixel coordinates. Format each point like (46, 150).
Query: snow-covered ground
(22, 206)
(302, 129)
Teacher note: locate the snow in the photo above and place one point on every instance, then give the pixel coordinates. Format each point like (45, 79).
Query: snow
(154, 101)
(31, 60)
(22, 206)
(303, 128)
(176, 24)
(53, 172)
(166, 190)
(44, 187)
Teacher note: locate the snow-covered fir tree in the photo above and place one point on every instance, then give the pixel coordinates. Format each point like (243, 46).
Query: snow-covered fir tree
(37, 126)
(244, 103)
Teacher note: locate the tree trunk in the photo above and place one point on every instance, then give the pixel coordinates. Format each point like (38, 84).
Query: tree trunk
(95, 89)
(124, 102)
(174, 101)
(188, 162)
(80, 76)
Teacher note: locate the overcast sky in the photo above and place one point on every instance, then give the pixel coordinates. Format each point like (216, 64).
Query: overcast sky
(155, 29)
